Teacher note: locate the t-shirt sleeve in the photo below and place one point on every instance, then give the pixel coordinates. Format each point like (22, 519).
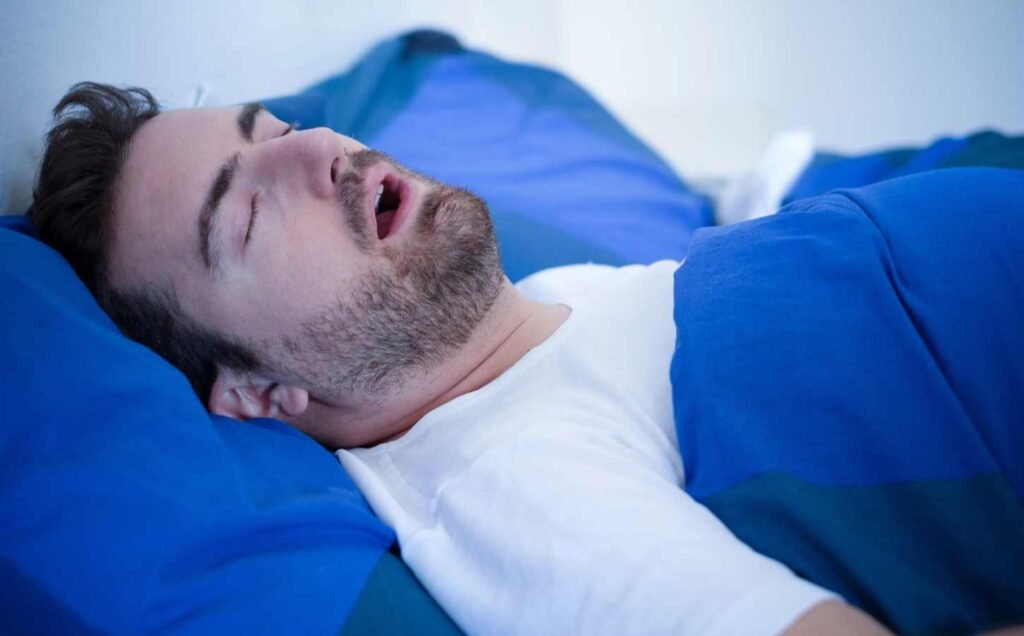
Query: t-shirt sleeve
(637, 555)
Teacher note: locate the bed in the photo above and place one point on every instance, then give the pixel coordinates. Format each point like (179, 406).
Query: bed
(127, 508)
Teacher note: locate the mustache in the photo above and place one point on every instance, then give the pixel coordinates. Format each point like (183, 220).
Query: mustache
(351, 183)
(363, 159)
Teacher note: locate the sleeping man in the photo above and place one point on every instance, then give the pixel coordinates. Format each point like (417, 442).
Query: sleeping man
(520, 439)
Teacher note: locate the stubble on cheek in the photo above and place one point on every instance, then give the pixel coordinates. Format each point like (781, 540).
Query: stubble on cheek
(406, 315)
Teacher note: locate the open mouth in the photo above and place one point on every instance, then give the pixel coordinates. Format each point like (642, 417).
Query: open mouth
(387, 202)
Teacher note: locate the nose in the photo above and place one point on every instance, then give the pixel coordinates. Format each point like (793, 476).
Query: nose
(309, 160)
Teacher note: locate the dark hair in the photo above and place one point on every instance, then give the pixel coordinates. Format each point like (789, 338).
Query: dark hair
(74, 209)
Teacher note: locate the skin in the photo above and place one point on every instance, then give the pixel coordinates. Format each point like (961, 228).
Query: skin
(835, 618)
(307, 262)
(303, 264)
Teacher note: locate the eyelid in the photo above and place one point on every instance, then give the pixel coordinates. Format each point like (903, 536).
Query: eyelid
(254, 210)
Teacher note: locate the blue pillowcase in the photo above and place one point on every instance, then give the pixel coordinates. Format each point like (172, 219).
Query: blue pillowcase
(128, 509)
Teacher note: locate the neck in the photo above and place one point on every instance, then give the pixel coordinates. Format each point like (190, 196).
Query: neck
(513, 326)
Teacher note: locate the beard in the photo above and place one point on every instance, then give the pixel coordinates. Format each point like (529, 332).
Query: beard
(405, 318)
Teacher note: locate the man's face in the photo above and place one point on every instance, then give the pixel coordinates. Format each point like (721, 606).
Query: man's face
(271, 236)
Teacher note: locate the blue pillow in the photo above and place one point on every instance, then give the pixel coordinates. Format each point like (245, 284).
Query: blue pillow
(565, 181)
(128, 509)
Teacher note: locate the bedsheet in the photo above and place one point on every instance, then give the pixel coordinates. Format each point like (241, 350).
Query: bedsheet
(848, 386)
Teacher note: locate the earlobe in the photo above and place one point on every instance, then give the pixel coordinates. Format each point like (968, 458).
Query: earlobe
(292, 401)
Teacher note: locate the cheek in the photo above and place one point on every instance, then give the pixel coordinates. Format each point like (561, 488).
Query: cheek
(303, 267)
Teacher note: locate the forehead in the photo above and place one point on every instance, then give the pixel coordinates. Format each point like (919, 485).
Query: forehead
(171, 162)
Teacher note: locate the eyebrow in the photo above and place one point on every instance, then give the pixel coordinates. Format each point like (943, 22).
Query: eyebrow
(208, 226)
(208, 220)
(247, 119)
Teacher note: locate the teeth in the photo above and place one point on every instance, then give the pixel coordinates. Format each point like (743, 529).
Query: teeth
(376, 202)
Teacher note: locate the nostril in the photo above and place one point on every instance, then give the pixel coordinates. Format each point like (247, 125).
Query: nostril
(334, 171)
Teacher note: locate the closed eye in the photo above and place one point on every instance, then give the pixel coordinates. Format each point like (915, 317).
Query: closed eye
(254, 204)
(254, 210)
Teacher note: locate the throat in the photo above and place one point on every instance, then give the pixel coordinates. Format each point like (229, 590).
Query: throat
(516, 325)
(511, 340)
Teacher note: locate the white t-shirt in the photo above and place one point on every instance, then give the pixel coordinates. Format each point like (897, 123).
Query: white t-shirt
(550, 500)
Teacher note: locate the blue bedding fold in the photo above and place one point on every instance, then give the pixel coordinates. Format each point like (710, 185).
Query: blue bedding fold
(986, 148)
(849, 393)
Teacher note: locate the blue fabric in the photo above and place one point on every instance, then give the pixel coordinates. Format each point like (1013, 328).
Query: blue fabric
(829, 171)
(849, 393)
(128, 509)
(565, 181)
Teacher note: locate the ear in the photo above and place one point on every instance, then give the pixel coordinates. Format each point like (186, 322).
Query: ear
(245, 395)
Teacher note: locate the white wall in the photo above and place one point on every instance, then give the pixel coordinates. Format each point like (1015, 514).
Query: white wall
(706, 82)
(709, 82)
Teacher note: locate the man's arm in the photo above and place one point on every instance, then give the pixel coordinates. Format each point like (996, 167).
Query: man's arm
(836, 618)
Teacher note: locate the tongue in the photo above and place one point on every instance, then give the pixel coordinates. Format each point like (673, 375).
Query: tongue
(384, 223)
